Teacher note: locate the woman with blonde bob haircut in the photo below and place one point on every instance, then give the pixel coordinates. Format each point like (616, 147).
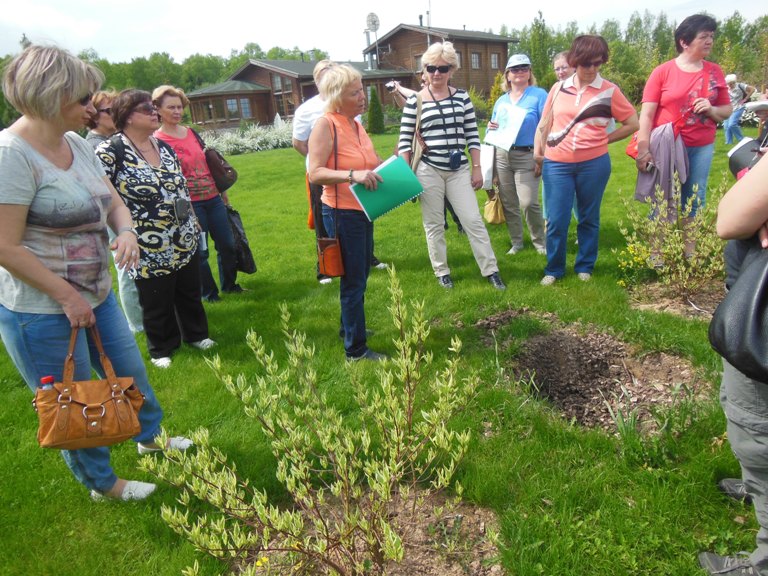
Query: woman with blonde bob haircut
(342, 154)
(448, 126)
(55, 206)
(209, 204)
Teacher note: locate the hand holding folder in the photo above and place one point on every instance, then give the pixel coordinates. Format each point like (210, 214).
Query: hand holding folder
(398, 185)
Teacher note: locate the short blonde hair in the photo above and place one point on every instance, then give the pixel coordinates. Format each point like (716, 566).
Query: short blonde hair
(320, 68)
(440, 51)
(161, 92)
(41, 80)
(333, 83)
(98, 99)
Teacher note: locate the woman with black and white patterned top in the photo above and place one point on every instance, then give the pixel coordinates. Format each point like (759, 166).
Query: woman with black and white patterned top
(448, 126)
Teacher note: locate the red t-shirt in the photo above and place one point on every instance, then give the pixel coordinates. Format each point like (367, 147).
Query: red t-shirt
(675, 90)
(193, 165)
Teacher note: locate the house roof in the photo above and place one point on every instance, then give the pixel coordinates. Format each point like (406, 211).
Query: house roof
(302, 70)
(230, 87)
(443, 33)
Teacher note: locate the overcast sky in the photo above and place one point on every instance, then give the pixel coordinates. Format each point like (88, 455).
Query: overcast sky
(120, 31)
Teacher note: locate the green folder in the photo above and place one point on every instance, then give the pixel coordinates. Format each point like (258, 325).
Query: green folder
(399, 184)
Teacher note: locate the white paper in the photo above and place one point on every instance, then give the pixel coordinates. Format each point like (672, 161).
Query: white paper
(487, 159)
(509, 118)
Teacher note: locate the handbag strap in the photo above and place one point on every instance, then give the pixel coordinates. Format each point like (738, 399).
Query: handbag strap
(199, 139)
(335, 186)
(69, 361)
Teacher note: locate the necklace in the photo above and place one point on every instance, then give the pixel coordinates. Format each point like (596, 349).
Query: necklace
(152, 148)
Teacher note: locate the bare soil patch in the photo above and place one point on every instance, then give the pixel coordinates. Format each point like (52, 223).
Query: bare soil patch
(655, 296)
(583, 371)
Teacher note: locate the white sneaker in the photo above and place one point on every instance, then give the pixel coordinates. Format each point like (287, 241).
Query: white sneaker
(133, 490)
(164, 362)
(514, 250)
(548, 280)
(174, 443)
(381, 266)
(584, 276)
(542, 251)
(203, 344)
(325, 280)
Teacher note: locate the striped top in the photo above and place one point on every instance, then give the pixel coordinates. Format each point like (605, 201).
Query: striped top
(454, 129)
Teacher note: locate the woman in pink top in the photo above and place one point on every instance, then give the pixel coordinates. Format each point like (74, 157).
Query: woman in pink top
(691, 90)
(209, 204)
(576, 164)
(341, 154)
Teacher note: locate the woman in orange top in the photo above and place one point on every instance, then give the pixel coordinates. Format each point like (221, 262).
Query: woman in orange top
(576, 165)
(340, 154)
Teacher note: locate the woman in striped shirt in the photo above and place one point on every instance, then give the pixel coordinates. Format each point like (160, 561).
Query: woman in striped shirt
(448, 125)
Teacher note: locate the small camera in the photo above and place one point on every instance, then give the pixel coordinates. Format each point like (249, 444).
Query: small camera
(454, 159)
(650, 167)
(390, 86)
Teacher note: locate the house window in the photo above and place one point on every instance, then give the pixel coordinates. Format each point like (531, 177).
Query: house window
(495, 61)
(232, 107)
(458, 58)
(277, 83)
(475, 60)
(245, 106)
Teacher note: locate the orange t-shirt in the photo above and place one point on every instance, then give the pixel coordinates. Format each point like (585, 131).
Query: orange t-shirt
(581, 116)
(355, 151)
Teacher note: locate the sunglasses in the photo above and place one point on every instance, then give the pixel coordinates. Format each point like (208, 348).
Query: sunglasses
(521, 68)
(442, 69)
(85, 100)
(594, 64)
(145, 108)
(105, 110)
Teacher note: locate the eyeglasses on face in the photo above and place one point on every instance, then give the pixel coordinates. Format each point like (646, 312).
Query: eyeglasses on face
(85, 100)
(146, 108)
(521, 68)
(105, 110)
(442, 69)
(595, 64)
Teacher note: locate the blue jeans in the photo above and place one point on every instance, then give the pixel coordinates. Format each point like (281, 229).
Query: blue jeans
(585, 182)
(37, 345)
(699, 163)
(212, 215)
(733, 133)
(355, 235)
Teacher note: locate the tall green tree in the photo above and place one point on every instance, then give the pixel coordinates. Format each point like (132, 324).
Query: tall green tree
(201, 70)
(375, 114)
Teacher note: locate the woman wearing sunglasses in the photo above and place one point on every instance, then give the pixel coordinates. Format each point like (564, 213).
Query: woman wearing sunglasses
(448, 126)
(147, 174)
(101, 124)
(55, 206)
(575, 162)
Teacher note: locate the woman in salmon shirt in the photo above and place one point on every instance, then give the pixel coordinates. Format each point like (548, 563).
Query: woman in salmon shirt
(575, 161)
(350, 161)
(209, 204)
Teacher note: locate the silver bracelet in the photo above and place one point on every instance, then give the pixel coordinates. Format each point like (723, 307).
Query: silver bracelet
(130, 229)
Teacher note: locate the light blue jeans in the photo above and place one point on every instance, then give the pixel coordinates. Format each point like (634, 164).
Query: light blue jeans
(699, 163)
(583, 183)
(733, 133)
(37, 344)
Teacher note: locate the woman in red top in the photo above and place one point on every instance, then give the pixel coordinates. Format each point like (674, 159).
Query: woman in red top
(692, 90)
(209, 204)
(340, 154)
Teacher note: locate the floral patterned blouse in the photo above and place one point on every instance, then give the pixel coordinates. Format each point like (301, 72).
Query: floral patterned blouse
(159, 203)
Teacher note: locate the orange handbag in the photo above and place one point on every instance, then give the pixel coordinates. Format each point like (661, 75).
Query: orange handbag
(74, 415)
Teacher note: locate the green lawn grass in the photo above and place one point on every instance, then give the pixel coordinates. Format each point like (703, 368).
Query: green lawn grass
(567, 502)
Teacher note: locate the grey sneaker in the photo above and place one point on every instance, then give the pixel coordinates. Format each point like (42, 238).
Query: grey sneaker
(445, 281)
(496, 281)
(514, 250)
(548, 280)
(729, 565)
(369, 355)
(735, 488)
